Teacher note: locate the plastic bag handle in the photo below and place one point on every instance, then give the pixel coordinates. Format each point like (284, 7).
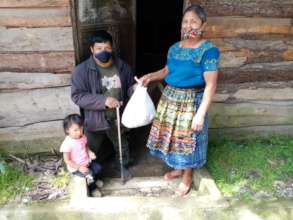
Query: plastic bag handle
(138, 81)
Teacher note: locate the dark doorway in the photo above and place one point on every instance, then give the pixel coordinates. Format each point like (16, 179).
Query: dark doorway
(158, 27)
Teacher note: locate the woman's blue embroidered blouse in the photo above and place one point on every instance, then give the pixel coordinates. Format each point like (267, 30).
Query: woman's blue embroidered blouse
(187, 65)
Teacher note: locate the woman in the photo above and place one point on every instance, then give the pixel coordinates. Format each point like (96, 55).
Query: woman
(179, 134)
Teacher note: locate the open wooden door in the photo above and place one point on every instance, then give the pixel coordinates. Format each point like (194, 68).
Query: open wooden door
(115, 16)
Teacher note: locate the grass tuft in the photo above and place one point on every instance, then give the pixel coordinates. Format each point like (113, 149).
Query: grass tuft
(13, 181)
(61, 180)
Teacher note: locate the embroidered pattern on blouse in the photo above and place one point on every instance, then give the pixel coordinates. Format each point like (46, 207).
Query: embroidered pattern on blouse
(178, 53)
(211, 64)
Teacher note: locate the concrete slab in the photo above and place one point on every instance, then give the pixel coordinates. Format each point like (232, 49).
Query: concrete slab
(120, 198)
(140, 186)
(176, 208)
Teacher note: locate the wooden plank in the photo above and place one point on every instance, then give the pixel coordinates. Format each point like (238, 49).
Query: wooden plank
(238, 26)
(263, 8)
(49, 129)
(36, 39)
(279, 44)
(233, 59)
(245, 92)
(13, 81)
(255, 42)
(286, 65)
(279, 71)
(35, 138)
(223, 45)
(233, 75)
(54, 62)
(237, 52)
(243, 57)
(253, 113)
(33, 106)
(40, 17)
(288, 54)
(33, 3)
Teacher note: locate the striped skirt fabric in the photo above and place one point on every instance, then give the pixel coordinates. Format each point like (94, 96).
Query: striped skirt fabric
(171, 137)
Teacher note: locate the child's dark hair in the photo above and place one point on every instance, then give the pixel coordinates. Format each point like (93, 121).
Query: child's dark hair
(70, 120)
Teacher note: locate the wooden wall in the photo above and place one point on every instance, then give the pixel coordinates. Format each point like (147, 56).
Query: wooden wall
(36, 57)
(255, 94)
(256, 76)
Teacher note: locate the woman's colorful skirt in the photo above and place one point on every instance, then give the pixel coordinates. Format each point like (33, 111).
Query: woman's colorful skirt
(171, 137)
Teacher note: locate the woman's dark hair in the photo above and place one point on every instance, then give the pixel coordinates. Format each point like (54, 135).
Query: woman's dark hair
(198, 10)
(101, 36)
(70, 120)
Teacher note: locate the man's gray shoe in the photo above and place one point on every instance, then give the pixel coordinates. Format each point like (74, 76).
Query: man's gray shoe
(96, 193)
(99, 183)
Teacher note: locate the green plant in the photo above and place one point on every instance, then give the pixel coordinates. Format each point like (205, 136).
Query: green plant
(243, 167)
(61, 180)
(13, 181)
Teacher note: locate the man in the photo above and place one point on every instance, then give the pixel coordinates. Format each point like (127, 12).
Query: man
(99, 85)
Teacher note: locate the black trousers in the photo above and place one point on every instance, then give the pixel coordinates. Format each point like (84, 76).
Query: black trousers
(95, 142)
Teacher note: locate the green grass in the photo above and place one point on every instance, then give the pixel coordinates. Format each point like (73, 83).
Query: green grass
(252, 165)
(13, 181)
(61, 180)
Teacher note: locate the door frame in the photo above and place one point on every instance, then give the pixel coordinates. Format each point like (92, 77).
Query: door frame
(113, 28)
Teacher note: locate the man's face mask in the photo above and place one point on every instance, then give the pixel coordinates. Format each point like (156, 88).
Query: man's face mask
(191, 34)
(103, 56)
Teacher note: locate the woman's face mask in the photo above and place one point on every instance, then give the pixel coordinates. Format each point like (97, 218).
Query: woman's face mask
(103, 56)
(193, 33)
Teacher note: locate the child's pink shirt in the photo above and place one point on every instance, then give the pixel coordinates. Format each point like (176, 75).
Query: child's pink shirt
(77, 149)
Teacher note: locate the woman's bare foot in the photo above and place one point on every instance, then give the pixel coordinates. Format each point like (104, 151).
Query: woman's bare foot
(185, 185)
(173, 174)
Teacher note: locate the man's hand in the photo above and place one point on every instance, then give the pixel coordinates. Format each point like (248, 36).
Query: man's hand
(112, 102)
(83, 169)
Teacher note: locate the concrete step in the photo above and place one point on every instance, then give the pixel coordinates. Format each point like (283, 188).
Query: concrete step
(141, 186)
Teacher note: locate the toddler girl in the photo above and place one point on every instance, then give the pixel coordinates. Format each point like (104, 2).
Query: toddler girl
(76, 153)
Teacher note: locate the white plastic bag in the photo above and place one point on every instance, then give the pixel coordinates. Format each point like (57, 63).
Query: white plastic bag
(140, 109)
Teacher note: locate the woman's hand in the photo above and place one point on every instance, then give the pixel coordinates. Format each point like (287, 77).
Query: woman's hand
(146, 79)
(154, 76)
(197, 122)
